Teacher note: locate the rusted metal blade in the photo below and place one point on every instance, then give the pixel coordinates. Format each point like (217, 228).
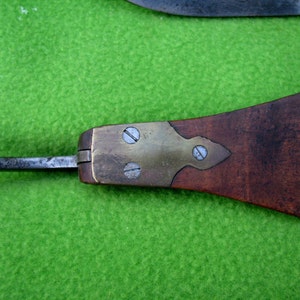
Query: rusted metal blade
(223, 8)
(34, 163)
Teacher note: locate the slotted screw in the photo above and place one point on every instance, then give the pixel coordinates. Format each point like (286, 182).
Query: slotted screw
(131, 135)
(132, 170)
(200, 152)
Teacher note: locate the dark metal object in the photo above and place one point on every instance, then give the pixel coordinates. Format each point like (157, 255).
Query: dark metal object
(33, 163)
(223, 8)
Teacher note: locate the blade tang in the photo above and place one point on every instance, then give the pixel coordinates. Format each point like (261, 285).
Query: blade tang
(35, 163)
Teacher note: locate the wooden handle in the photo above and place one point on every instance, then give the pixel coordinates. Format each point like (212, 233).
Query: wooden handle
(252, 154)
(264, 168)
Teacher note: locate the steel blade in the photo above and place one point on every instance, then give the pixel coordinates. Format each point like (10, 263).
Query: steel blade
(222, 8)
(34, 163)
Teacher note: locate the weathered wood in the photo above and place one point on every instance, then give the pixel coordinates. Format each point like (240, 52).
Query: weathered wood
(264, 167)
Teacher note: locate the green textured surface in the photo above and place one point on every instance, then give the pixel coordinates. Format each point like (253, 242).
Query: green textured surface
(67, 66)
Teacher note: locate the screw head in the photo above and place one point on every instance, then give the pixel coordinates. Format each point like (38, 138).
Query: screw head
(131, 135)
(200, 152)
(132, 170)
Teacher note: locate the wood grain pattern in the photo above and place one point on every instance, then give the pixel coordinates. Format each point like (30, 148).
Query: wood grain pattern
(264, 167)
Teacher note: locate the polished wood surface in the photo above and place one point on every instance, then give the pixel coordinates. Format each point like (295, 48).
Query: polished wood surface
(264, 166)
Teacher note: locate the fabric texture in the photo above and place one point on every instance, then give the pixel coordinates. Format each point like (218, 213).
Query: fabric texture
(68, 66)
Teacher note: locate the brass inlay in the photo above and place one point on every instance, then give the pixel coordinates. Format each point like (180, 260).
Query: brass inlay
(160, 152)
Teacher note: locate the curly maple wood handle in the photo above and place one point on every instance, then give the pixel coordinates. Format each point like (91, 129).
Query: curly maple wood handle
(253, 155)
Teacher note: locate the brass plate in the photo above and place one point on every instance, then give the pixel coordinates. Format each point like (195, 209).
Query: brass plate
(160, 152)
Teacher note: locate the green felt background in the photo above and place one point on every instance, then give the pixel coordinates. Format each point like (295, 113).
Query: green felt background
(66, 66)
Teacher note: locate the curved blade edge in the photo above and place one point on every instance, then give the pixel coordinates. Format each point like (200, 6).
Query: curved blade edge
(219, 8)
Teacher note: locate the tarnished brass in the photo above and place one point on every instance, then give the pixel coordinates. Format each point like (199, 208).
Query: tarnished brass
(160, 153)
(83, 156)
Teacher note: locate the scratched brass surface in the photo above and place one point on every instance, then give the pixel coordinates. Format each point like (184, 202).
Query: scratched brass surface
(160, 152)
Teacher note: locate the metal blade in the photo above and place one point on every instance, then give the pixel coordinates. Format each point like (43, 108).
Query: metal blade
(223, 8)
(34, 163)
